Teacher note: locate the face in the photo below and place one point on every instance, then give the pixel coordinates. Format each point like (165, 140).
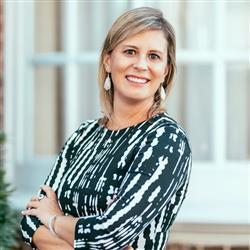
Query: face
(138, 65)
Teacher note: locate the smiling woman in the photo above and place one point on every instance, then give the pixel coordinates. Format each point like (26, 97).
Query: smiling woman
(137, 68)
(156, 56)
(120, 180)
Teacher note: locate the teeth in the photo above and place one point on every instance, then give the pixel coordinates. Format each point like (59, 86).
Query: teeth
(135, 79)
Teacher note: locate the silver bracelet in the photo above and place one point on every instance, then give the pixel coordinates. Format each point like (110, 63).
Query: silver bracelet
(51, 224)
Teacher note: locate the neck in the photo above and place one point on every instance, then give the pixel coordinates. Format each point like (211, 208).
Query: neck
(127, 114)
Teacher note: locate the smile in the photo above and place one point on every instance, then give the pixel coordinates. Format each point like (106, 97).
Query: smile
(137, 79)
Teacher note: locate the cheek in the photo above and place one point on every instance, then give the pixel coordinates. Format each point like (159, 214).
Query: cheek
(116, 67)
(159, 72)
(120, 64)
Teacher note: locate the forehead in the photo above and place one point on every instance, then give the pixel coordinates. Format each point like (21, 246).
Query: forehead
(149, 39)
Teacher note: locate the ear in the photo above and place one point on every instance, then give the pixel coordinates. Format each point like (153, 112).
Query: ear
(166, 71)
(106, 62)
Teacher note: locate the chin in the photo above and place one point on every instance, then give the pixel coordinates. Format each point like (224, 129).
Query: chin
(136, 99)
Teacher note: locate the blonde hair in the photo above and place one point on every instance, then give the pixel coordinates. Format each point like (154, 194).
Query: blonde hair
(127, 25)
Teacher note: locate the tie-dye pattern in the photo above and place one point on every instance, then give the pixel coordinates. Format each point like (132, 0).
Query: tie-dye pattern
(125, 185)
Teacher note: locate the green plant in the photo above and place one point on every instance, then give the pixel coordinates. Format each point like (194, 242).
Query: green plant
(8, 216)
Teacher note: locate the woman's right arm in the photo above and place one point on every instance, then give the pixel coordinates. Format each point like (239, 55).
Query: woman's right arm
(30, 224)
(44, 240)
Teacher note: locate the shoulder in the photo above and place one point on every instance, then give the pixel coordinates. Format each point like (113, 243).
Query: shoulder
(87, 124)
(165, 124)
(163, 132)
(84, 128)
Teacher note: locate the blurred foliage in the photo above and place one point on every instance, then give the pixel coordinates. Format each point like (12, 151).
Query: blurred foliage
(8, 216)
(2, 137)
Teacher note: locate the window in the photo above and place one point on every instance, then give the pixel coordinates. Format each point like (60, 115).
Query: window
(51, 87)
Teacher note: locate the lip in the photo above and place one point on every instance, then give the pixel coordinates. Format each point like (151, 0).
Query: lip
(138, 77)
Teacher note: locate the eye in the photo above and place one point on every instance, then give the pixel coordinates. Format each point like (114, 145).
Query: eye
(130, 52)
(154, 56)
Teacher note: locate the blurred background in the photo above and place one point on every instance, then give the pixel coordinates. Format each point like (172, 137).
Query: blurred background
(49, 57)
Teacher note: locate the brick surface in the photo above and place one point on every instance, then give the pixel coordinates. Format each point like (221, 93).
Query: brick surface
(1, 64)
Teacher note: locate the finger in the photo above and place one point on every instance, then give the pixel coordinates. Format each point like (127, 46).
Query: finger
(29, 212)
(34, 198)
(32, 204)
(50, 193)
(41, 196)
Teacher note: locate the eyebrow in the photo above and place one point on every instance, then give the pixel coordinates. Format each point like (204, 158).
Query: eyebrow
(132, 46)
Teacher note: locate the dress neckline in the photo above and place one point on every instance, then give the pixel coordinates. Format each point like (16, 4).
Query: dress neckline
(129, 127)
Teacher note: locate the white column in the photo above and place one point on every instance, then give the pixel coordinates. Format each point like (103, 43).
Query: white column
(70, 77)
(18, 111)
(219, 121)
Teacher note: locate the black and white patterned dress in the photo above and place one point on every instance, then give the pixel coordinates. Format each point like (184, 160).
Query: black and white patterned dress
(125, 185)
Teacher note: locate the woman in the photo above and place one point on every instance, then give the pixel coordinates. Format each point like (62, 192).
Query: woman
(119, 181)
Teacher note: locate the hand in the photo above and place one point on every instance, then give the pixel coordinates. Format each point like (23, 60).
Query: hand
(45, 207)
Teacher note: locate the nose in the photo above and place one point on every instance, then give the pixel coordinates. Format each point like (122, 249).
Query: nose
(140, 64)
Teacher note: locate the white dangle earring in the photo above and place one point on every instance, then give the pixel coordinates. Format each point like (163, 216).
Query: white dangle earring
(162, 93)
(107, 83)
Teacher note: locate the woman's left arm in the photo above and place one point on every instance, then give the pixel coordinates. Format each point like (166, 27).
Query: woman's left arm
(63, 226)
(43, 239)
(47, 207)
